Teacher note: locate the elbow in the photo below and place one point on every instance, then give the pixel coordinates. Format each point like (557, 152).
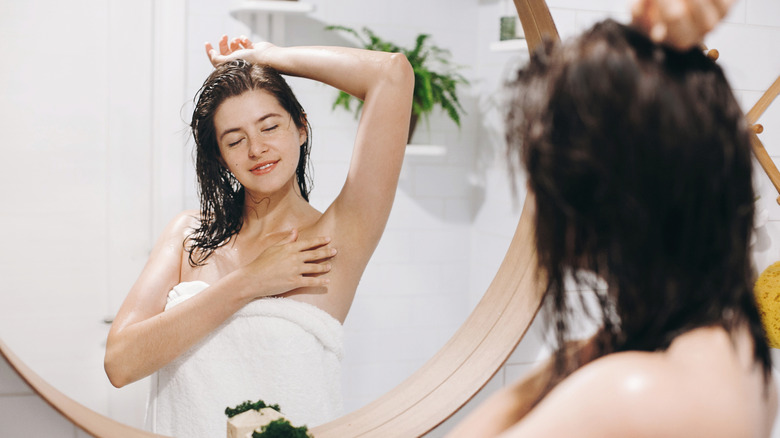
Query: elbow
(401, 71)
(112, 364)
(118, 384)
(115, 376)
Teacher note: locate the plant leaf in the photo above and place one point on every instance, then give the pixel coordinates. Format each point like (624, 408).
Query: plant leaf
(436, 78)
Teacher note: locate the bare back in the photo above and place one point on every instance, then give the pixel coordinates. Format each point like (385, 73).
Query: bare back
(706, 383)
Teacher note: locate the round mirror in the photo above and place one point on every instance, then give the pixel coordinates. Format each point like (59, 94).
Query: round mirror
(98, 160)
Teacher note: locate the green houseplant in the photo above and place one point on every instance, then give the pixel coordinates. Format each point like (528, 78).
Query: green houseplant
(436, 79)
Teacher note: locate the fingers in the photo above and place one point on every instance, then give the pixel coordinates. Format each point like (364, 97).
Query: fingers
(235, 44)
(311, 250)
(223, 45)
(319, 254)
(305, 245)
(671, 15)
(226, 48)
(642, 14)
(312, 243)
(309, 275)
(314, 282)
(686, 22)
(704, 14)
(724, 6)
(212, 54)
(316, 268)
(678, 23)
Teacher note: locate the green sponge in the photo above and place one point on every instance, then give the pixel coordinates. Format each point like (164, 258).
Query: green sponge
(281, 428)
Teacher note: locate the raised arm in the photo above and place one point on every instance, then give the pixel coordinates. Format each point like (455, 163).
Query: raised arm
(385, 82)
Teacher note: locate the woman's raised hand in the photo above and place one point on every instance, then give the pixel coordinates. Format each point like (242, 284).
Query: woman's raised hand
(681, 24)
(291, 263)
(237, 48)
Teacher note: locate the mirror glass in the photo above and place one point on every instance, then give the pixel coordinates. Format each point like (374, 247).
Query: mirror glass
(97, 159)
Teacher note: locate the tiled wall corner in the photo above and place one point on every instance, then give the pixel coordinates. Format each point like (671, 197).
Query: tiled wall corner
(23, 413)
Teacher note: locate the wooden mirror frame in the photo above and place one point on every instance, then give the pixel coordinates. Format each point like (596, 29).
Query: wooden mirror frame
(425, 399)
(448, 380)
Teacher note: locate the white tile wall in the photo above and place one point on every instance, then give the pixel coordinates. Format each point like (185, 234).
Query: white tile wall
(23, 416)
(61, 101)
(454, 215)
(23, 413)
(762, 13)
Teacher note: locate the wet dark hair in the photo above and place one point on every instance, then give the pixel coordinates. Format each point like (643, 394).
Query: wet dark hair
(639, 159)
(221, 195)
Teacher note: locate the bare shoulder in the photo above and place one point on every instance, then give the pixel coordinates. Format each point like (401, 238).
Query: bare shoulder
(699, 387)
(184, 222)
(162, 271)
(178, 230)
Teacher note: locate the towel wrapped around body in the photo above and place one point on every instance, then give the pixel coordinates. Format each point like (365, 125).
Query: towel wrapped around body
(279, 350)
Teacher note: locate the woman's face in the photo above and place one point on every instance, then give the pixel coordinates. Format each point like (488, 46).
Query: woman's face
(258, 141)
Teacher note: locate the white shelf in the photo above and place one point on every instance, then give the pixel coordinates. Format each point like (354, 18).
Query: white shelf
(273, 6)
(509, 45)
(267, 17)
(426, 150)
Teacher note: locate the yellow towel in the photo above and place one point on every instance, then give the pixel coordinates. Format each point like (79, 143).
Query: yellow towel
(767, 292)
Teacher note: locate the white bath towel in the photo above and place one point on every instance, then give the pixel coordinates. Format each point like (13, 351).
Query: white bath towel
(279, 350)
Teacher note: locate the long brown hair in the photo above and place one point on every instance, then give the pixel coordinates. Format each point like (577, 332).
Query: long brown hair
(221, 195)
(639, 159)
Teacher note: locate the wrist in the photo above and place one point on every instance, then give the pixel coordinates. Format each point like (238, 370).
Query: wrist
(241, 285)
(262, 53)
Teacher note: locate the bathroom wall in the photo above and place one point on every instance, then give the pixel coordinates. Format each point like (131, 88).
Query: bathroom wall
(75, 190)
(454, 214)
(21, 411)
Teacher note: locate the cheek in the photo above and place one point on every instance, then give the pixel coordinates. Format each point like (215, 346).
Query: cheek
(226, 160)
(297, 155)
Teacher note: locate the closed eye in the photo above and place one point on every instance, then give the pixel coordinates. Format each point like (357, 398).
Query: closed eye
(235, 143)
(271, 128)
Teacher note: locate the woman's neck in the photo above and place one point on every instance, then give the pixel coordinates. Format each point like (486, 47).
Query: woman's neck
(280, 211)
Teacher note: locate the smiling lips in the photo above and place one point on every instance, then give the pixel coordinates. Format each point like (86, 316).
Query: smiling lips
(264, 167)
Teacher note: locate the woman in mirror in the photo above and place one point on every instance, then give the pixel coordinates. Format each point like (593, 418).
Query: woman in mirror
(639, 164)
(244, 299)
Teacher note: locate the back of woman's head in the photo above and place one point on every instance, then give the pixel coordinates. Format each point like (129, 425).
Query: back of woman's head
(221, 195)
(639, 160)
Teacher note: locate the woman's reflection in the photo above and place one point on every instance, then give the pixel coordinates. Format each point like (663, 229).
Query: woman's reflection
(200, 316)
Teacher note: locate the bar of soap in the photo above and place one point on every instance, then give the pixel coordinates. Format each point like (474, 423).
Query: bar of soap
(243, 424)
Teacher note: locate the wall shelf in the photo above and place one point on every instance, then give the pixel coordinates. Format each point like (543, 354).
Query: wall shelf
(266, 17)
(509, 45)
(273, 6)
(426, 150)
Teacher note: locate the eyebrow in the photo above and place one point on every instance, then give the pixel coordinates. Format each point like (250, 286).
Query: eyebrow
(269, 115)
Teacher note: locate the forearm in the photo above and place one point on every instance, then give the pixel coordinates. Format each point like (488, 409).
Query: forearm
(354, 71)
(139, 349)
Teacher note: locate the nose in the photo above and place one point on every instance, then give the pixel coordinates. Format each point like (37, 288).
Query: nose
(256, 146)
